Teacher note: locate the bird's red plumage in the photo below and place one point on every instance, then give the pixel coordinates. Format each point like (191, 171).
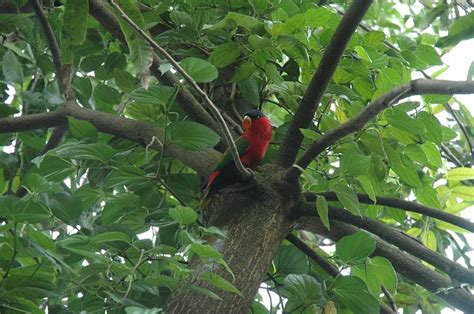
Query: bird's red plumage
(258, 136)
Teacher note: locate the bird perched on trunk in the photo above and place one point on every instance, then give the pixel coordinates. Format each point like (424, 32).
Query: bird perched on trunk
(251, 145)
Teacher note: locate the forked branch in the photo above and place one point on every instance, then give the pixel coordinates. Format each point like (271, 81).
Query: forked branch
(320, 80)
(416, 87)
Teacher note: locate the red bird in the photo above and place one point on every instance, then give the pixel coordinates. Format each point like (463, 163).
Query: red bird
(251, 145)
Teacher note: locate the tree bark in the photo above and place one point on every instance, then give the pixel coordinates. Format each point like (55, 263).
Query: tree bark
(256, 220)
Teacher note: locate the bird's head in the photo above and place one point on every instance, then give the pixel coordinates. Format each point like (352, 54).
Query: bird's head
(255, 123)
(250, 117)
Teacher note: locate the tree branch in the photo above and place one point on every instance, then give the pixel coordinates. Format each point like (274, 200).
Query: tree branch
(320, 80)
(321, 261)
(137, 131)
(416, 87)
(230, 142)
(401, 240)
(403, 263)
(403, 205)
(188, 102)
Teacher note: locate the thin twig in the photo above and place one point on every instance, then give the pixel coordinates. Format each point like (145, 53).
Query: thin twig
(390, 299)
(52, 42)
(463, 130)
(230, 142)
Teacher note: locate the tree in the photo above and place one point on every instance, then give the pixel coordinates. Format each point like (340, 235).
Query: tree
(105, 136)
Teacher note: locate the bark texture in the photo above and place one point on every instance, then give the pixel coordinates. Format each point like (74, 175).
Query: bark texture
(256, 217)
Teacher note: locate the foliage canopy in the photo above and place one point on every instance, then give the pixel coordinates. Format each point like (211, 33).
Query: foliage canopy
(98, 212)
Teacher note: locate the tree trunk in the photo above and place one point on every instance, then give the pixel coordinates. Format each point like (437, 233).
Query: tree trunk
(256, 220)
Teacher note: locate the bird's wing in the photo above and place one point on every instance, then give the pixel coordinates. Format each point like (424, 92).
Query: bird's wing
(242, 145)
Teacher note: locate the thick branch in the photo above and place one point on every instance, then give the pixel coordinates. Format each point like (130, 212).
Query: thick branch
(404, 264)
(403, 205)
(315, 90)
(137, 131)
(416, 87)
(230, 142)
(401, 240)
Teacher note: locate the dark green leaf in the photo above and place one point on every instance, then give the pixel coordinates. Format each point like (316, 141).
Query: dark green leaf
(82, 129)
(193, 136)
(352, 292)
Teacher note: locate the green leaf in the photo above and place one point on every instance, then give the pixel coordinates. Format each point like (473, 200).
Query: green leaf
(11, 67)
(224, 54)
(111, 236)
(433, 154)
(400, 119)
(219, 282)
(106, 97)
(200, 70)
(355, 248)
(352, 292)
(124, 80)
(434, 132)
(41, 238)
(243, 20)
(183, 215)
(243, 72)
(376, 272)
(463, 192)
(290, 260)
(367, 186)
(78, 151)
(205, 251)
(302, 290)
(459, 31)
(460, 174)
(141, 310)
(310, 134)
(249, 90)
(141, 54)
(193, 136)
(347, 197)
(155, 95)
(74, 28)
(322, 209)
(82, 129)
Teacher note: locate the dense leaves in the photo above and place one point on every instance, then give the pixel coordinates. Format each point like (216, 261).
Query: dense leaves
(101, 223)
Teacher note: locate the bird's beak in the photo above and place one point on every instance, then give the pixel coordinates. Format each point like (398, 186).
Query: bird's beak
(246, 122)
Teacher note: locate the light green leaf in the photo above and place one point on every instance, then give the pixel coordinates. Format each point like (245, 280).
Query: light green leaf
(322, 209)
(200, 70)
(433, 154)
(464, 192)
(183, 215)
(367, 186)
(205, 251)
(347, 197)
(193, 136)
(460, 174)
(219, 282)
(312, 135)
(355, 248)
(459, 31)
